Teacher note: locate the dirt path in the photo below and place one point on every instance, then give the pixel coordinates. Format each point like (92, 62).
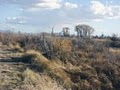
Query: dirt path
(10, 69)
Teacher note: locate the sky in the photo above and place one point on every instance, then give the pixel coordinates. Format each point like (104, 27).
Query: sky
(41, 15)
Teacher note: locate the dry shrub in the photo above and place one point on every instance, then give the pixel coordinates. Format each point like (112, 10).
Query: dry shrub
(15, 47)
(63, 45)
(62, 48)
(92, 66)
(108, 74)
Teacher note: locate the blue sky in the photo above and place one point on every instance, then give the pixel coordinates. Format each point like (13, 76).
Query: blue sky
(42, 15)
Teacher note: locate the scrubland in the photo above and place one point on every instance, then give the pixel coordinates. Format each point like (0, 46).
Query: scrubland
(60, 63)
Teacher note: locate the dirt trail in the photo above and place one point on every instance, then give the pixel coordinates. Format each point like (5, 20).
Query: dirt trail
(10, 69)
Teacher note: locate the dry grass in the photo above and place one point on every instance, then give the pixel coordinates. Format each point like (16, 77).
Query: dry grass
(115, 50)
(52, 68)
(35, 81)
(83, 64)
(87, 74)
(15, 47)
(10, 77)
(102, 40)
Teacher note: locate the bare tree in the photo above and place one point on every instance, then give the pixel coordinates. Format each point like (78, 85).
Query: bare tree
(84, 30)
(66, 32)
(52, 33)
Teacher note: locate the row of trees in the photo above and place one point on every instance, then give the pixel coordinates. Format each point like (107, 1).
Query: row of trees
(82, 30)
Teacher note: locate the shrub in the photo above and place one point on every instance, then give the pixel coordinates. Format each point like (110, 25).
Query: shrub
(16, 47)
(115, 44)
(62, 48)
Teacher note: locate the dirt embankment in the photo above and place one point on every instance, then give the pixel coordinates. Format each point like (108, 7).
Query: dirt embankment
(15, 75)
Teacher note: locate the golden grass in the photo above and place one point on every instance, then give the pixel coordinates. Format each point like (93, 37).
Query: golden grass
(54, 69)
(36, 56)
(35, 81)
(115, 50)
(16, 47)
(102, 40)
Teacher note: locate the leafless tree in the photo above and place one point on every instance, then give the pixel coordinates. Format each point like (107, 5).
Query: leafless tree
(84, 30)
(66, 32)
(52, 33)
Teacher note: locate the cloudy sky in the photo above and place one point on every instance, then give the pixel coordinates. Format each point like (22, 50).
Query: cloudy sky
(42, 15)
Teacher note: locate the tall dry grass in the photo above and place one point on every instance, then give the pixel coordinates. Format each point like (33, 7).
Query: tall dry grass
(36, 81)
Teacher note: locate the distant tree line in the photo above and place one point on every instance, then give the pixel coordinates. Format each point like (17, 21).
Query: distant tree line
(82, 30)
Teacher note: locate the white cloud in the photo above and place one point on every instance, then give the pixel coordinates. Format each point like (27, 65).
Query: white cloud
(70, 5)
(106, 11)
(16, 20)
(48, 4)
(51, 5)
(98, 8)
